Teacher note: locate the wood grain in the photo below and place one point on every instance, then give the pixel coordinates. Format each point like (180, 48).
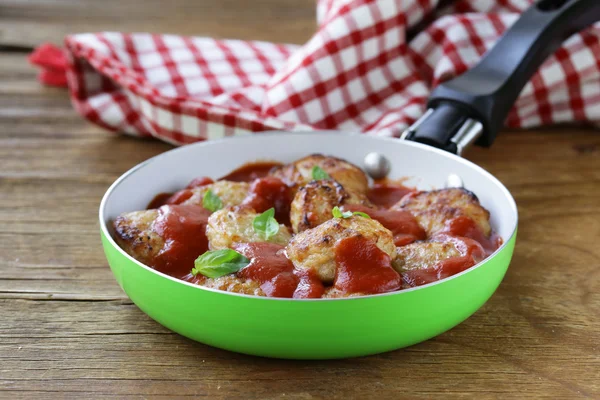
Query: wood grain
(68, 331)
(27, 23)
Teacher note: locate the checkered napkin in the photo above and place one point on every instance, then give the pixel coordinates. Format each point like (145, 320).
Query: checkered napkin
(369, 68)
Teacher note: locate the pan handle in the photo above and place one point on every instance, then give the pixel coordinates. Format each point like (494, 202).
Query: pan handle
(473, 106)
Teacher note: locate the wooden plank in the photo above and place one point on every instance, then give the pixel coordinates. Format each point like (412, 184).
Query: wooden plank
(112, 348)
(68, 331)
(28, 23)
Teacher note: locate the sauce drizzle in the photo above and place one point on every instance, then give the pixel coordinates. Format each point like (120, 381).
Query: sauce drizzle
(180, 196)
(183, 227)
(361, 267)
(402, 224)
(277, 275)
(471, 253)
(385, 193)
(464, 226)
(251, 171)
(270, 192)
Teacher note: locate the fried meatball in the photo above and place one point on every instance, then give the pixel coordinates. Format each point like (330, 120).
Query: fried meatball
(230, 193)
(422, 255)
(232, 283)
(313, 203)
(299, 173)
(314, 248)
(133, 232)
(234, 225)
(333, 293)
(433, 209)
(167, 239)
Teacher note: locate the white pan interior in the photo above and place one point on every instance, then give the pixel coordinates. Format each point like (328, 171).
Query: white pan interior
(426, 168)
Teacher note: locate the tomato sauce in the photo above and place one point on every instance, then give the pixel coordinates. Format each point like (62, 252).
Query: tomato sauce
(385, 194)
(200, 181)
(183, 227)
(159, 200)
(465, 227)
(363, 268)
(270, 192)
(276, 274)
(251, 171)
(444, 269)
(309, 286)
(471, 252)
(402, 224)
(195, 279)
(180, 196)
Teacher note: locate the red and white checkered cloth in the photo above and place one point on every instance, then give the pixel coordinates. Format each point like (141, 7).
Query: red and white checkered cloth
(369, 68)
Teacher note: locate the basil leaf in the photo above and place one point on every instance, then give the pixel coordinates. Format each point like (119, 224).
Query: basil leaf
(211, 201)
(216, 263)
(361, 214)
(265, 224)
(337, 213)
(319, 174)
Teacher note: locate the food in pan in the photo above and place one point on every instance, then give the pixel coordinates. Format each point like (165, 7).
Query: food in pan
(313, 228)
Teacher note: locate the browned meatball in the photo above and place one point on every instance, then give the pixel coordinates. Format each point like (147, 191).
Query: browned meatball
(230, 193)
(299, 173)
(314, 248)
(433, 209)
(234, 225)
(333, 293)
(234, 284)
(313, 203)
(423, 255)
(133, 232)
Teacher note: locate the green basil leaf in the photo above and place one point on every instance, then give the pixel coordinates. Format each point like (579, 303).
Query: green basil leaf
(216, 263)
(319, 174)
(265, 224)
(361, 214)
(211, 201)
(337, 213)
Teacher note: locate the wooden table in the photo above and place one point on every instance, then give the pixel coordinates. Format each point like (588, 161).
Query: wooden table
(68, 331)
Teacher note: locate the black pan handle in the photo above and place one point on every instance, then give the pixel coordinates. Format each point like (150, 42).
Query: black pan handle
(473, 106)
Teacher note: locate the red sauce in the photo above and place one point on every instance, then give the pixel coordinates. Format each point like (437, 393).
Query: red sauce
(310, 286)
(200, 181)
(159, 200)
(251, 171)
(471, 252)
(402, 224)
(183, 229)
(386, 194)
(170, 198)
(270, 192)
(195, 279)
(444, 269)
(178, 197)
(465, 227)
(363, 268)
(465, 246)
(276, 273)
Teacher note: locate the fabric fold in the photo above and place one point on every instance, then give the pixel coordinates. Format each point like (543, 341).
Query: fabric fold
(368, 68)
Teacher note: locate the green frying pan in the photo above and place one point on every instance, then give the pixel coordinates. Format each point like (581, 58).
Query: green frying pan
(320, 328)
(336, 328)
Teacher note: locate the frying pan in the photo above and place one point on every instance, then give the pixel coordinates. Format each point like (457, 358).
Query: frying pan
(465, 110)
